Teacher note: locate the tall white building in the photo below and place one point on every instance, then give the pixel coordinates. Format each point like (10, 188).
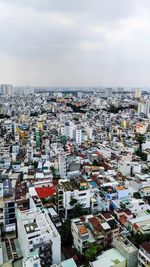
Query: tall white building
(67, 129)
(98, 102)
(138, 93)
(62, 165)
(89, 132)
(147, 108)
(37, 234)
(141, 107)
(108, 92)
(144, 107)
(78, 136)
(6, 89)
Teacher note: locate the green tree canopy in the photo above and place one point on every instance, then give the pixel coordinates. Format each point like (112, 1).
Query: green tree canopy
(66, 235)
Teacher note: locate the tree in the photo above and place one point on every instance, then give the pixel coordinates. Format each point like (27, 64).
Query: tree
(53, 170)
(95, 163)
(66, 235)
(92, 251)
(1, 225)
(137, 195)
(35, 165)
(73, 201)
(138, 238)
(77, 211)
(140, 138)
(142, 155)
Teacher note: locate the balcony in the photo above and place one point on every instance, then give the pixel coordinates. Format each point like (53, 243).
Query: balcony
(144, 251)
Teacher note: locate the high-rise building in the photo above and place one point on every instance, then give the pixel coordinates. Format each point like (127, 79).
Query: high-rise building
(89, 132)
(98, 102)
(141, 107)
(147, 108)
(7, 89)
(120, 89)
(38, 235)
(62, 165)
(68, 129)
(78, 136)
(9, 207)
(108, 92)
(144, 107)
(138, 93)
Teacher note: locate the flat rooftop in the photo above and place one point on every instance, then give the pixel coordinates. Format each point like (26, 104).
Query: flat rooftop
(128, 246)
(111, 257)
(35, 220)
(72, 185)
(68, 263)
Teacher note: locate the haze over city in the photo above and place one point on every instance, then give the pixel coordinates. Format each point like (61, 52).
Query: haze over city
(75, 43)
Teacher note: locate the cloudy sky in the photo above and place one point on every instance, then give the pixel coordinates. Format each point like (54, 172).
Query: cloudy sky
(75, 42)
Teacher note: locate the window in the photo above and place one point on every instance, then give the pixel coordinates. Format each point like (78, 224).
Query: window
(83, 194)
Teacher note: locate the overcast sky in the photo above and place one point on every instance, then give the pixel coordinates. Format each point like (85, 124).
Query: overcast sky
(75, 42)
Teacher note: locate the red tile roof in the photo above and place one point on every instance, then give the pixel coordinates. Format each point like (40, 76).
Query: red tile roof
(128, 212)
(95, 223)
(123, 219)
(107, 215)
(146, 246)
(136, 227)
(44, 192)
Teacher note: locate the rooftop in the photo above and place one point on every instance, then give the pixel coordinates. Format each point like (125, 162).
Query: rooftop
(109, 258)
(44, 192)
(75, 185)
(146, 246)
(68, 263)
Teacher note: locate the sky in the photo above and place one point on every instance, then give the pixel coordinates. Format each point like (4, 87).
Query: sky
(75, 42)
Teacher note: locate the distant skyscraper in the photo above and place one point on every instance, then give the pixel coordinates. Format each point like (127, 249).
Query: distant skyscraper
(147, 108)
(98, 102)
(6, 89)
(120, 89)
(62, 165)
(144, 107)
(78, 136)
(141, 107)
(138, 93)
(108, 92)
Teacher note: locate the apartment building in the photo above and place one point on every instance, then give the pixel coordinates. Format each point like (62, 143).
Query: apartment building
(62, 165)
(127, 249)
(144, 255)
(109, 258)
(73, 192)
(37, 233)
(81, 235)
(101, 229)
(8, 207)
